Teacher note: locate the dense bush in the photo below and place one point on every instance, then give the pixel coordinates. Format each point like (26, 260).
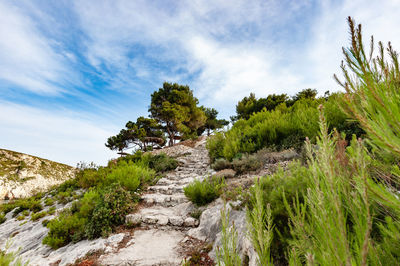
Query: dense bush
(246, 163)
(281, 128)
(110, 210)
(130, 176)
(95, 215)
(221, 164)
(159, 163)
(204, 192)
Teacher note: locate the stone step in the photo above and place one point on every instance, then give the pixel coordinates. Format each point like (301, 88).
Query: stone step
(160, 217)
(167, 189)
(164, 200)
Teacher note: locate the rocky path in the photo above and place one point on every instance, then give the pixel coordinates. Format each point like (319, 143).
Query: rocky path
(162, 223)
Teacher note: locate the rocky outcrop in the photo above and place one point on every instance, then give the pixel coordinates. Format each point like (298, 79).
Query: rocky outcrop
(23, 175)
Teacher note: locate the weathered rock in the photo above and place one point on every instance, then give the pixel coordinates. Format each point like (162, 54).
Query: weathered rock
(133, 219)
(150, 247)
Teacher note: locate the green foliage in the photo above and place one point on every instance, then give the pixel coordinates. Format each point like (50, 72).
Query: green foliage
(259, 221)
(159, 162)
(228, 253)
(10, 258)
(2, 218)
(246, 163)
(250, 105)
(287, 184)
(215, 146)
(204, 192)
(212, 123)
(175, 107)
(130, 176)
(38, 215)
(110, 195)
(146, 133)
(221, 164)
(281, 128)
(109, 211)
(65, 228)
(49, 201)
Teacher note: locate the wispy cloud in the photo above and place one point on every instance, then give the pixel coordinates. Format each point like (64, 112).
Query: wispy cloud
(27, 57)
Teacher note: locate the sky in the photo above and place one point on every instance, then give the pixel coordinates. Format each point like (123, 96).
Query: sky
(72, 73)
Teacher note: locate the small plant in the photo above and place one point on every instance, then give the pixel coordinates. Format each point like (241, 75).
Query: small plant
(260, 227)
(49, 201)
(2, 218)
(51, 210)
(246, 164)
(10, 258)
(38, 215)
(204, 192)
(196, 213)
(20, 217)
(227, 253)
(221, 164)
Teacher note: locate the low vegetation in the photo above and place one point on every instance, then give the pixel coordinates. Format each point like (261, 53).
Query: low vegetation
(204, 192)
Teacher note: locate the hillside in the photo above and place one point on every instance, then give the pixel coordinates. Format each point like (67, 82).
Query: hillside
(22, 175)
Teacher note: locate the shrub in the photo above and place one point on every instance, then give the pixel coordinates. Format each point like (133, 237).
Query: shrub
(110, 211)
(204, 192)
(51, 210)
(161, 162)
(221, 164)
(49, 201)
(246, 164)
(130, 176)
(38, 215)
(215, 146)
(2, 218)
(65, 228)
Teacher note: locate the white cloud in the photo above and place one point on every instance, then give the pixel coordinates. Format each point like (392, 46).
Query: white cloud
(330, 34)
(53, 135)
(26, 57)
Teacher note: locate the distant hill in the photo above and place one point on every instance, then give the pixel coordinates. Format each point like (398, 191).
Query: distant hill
(22, 175)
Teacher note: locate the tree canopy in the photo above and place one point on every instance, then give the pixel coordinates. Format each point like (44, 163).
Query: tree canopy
(212, 123)
(250, 105)
(145, 133)
(175, 108)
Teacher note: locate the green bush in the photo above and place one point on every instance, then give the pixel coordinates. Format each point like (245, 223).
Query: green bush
(109, 211)
(281, 128)
(38, 215)
(49, 201)
(204, 192)
(130, 176)
(246, 164)
(65, 228)
(2, 218)
(159, 163)
(221, 164)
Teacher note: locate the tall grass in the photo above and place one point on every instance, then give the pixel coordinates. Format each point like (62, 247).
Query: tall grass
(260, 227)
(228, 253)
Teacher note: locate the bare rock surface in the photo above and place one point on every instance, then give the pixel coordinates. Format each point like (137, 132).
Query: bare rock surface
(22, 175)
(148, 247)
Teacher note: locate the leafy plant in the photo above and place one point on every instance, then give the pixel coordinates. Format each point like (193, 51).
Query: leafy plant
(203, 192)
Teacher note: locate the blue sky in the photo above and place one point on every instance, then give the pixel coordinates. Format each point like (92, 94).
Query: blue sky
(73, 72)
